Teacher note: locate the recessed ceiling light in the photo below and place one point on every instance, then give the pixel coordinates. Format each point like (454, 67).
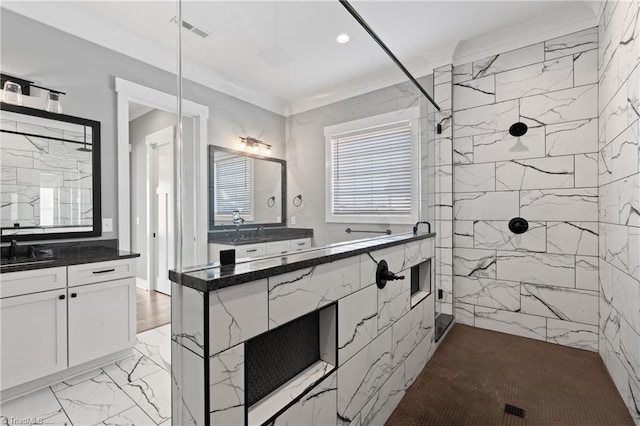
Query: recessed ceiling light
(343, 38)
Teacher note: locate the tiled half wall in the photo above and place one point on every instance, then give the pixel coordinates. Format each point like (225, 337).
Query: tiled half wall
(384, 340)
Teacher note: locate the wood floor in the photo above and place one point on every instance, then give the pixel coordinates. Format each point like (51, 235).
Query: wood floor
(153, 309)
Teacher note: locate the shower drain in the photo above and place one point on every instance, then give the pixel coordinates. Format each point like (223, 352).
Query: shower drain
(513, 410)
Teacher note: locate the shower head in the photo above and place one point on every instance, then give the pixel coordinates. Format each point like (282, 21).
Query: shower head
(518, 129)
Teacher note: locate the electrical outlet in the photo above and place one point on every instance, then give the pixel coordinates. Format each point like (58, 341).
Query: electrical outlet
(107, 224)
(293, 220)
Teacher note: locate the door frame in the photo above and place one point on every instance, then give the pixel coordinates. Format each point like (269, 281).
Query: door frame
(153, 142)
(127, 92)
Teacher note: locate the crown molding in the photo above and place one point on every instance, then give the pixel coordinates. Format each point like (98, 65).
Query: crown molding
(584, 15)
(66, 18)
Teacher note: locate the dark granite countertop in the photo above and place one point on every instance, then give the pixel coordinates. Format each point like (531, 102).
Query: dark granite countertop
(213, 276)
(63, 254)
(255, 236)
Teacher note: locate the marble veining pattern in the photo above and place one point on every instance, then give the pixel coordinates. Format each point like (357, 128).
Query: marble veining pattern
(317, 408)
(541, 284)
(358, 323)
(104, 395)
(618, 253)
(297, 293)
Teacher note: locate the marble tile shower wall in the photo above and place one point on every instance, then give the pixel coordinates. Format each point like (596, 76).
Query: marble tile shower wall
(34, 168)
(619, 186)
(442, 80)
(542, 284)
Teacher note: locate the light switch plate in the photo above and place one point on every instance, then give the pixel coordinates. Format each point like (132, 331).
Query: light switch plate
(107, 224)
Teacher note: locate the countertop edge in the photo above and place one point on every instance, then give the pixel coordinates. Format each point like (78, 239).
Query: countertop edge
(213, 284)
(55, 263)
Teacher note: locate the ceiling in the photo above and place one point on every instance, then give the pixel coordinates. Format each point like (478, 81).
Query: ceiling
(138, 110)
(284, 55)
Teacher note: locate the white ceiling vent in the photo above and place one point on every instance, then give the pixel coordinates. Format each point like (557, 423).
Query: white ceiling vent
(190, 27)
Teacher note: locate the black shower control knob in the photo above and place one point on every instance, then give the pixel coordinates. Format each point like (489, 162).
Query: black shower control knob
(518, 225)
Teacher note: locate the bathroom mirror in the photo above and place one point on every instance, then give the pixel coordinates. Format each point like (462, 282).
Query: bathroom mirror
(245, 189)
(50, 166)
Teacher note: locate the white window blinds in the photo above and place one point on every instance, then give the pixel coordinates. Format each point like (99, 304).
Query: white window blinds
(233, 185)
(371, 171)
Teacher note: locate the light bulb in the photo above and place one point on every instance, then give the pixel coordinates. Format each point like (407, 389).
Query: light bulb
(268, 153)
(243, 144)
(53, 103)
(12, 93)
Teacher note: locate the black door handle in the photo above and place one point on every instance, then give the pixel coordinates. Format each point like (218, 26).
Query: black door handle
(104, 271)
(74, 295)
(61, 297)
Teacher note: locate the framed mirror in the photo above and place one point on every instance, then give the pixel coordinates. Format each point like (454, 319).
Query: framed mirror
(50, 166)
(246, 190)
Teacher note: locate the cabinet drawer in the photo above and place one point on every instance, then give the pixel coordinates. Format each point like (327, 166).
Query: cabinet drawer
(89, 273)
(26, 282)
(278, 247)
(300, 244)
(250, 250)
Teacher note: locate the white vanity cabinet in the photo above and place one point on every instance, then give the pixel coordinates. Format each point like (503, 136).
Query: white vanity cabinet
(54, 319)
(300, 244)
(102, 313)
(271, 248)
(33, 326)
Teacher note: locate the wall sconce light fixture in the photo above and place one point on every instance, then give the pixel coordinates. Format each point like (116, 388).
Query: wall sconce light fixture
(14, 88)
(297, 200)
(254, 145)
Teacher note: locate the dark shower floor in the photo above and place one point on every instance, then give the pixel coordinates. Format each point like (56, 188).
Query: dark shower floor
(475, 372)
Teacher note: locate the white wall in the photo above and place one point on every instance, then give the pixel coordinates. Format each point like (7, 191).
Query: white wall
(86, 72)
(306, 173)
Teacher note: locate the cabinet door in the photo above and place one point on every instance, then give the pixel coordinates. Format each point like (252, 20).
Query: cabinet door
(102, 319)
(34, 336)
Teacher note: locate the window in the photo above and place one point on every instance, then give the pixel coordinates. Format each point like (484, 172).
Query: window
(234, 186)
(373, 170)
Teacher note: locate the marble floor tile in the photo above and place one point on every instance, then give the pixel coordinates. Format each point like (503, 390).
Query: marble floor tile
(165, 329)
(149, 342)
(99, 397)
(133, 416)
(76, 380)
(153, 394)
(40, 407)
(131, 369)
(93, 400)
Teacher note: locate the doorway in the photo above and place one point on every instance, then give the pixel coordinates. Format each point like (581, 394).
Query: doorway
(160, 199)
(152, 136)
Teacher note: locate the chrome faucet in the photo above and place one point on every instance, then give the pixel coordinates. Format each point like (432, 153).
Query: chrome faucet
(236, 219)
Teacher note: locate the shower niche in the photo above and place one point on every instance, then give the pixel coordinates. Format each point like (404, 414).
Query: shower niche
(284, 363)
